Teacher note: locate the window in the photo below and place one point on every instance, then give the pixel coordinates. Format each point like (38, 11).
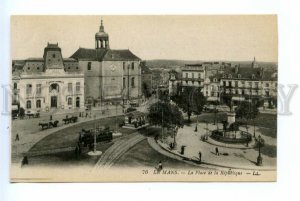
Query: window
(89, 67)
(38, 104)
(28, 89)
(123, 65)
(124, 82)
(236, 84)
(132, 82)
(199, 75)
(15, 85)
(38, 89)
(229, 76)
(70, 87)
(192, 75)
(54, 87)
(53, 55)
(256, 84)
(186, 75)
(69, 101)
(253, 76)
(267, 84)
(77, 86)
(28, 104)
(132, 66)
(239, 76)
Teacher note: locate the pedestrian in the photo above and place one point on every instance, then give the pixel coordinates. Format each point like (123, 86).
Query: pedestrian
(217, 151)
(25, 161)
(86, 115)
(182, 150)
(17, 137)
(200, 156)
(160, 166)
(51, 117)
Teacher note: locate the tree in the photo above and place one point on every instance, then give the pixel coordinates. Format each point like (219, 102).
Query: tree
(165, 115)
(247, 110)
(145, 90)
(190, 100)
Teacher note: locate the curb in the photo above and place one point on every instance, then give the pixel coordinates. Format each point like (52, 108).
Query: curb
(211, 164)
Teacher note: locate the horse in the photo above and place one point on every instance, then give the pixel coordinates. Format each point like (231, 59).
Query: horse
(44, 125)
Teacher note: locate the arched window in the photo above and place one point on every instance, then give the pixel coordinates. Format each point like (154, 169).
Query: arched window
(69, 101)
(54, 87)
(28, 104)
(38, 104)
(132, 66)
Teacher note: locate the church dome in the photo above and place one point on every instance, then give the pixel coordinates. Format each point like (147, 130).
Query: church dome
(101, 34)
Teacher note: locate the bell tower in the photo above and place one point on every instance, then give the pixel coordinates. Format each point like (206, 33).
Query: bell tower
(101, 38)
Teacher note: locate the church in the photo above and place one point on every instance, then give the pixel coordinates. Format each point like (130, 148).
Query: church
(110, 75)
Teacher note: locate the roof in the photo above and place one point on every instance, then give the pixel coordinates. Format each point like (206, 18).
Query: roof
(246, 72)
(104, 54)
(120, 55)
(89, 54)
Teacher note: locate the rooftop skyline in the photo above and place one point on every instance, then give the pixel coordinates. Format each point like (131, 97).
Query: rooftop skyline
(237, 38)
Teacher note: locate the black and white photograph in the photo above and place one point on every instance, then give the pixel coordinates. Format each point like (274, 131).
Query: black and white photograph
(144, 98)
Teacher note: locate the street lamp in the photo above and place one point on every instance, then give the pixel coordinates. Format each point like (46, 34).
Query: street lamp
(260, 143)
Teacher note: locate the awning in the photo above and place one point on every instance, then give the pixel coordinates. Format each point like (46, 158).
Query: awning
(213, 98)
(238, 98)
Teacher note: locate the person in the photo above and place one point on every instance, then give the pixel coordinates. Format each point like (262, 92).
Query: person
(182, 150)
(51, 117)
(217, 151)
(86, 115)
(25, 161)
(200, 156)
(160, 166)
(17, 137)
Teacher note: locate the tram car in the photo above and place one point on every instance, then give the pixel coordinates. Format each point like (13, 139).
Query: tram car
(87, 137)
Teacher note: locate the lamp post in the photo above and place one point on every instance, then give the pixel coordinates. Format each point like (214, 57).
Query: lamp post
(260, 143)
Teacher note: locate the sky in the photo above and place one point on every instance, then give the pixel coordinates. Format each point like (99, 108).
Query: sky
(194, 37)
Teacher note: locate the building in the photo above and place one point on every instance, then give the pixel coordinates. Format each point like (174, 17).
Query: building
(193, 75)
(110, 75)
(243, 83)
(47, 83)
(221, 82)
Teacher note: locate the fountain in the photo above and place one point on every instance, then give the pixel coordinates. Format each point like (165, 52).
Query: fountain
(231, 132)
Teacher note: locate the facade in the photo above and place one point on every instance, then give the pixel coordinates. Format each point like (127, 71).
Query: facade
(219, 81)
(50, 82)
(193, 75)
(110, 75)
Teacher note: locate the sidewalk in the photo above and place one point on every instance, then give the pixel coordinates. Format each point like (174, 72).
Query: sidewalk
(229, 157)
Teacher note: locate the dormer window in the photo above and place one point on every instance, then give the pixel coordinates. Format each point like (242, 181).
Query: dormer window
(253, 76)
(224, 75)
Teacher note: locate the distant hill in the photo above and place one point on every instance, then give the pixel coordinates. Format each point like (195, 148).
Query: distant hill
(173, 64)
